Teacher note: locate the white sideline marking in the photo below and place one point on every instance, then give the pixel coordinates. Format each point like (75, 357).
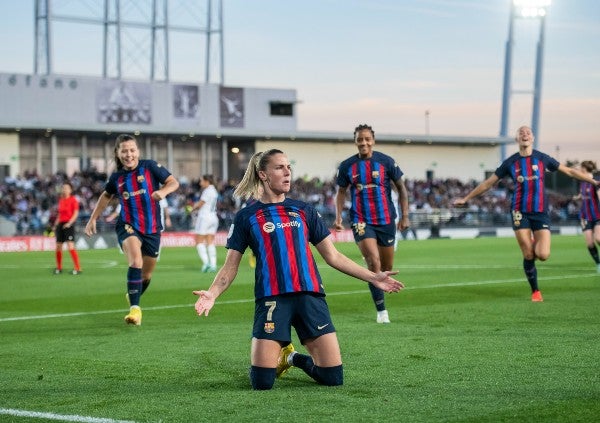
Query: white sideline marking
(250, 300)
(61, 417)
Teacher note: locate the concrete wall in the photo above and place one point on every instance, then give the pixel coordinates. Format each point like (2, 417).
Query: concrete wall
(86, 103)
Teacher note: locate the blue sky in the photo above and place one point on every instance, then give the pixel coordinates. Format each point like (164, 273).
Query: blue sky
(384, 62)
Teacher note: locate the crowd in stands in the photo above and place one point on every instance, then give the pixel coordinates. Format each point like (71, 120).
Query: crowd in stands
(30, 201)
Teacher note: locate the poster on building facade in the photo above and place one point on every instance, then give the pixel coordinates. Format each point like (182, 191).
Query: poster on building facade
(124, 102)
(186, 102)
(231, 107)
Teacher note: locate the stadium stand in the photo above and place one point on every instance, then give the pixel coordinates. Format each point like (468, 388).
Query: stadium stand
(27, 203)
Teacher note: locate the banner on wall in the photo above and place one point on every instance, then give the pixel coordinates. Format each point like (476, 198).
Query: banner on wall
(186, 102)
(231, 107)
(124, 102)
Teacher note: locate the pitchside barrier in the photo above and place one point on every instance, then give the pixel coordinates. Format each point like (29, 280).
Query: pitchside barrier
(187, 239)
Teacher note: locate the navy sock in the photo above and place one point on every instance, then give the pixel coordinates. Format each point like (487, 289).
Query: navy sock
(303, 361)
(377, 295)
(594, 253)
(262, 378)
(329, 376)
(531, 273)
(134, 285)
(145, 285)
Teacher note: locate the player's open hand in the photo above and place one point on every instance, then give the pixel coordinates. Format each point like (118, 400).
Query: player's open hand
(90, 228)
(384, 282)
(205, 302)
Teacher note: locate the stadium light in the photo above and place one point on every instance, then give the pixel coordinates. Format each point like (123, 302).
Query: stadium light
(531, 8)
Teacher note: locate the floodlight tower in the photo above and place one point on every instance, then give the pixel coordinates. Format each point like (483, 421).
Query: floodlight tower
(147, 19)
(528, 9)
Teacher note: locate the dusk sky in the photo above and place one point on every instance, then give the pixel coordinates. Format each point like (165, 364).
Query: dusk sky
(383, 62)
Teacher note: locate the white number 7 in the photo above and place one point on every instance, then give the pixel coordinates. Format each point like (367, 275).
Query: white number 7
(271, 305)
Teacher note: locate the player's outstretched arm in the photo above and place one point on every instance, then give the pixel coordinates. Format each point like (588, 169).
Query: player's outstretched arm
(103, 200)
(342, 263)
(222, 281)
(479, 189)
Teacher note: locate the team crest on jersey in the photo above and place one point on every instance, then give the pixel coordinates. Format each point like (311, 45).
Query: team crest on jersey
(269, 327)
(140, 178)
(293, 214)
(129, 229)
(534, 167)
(375, 174)
(517, 216)
(268, 227)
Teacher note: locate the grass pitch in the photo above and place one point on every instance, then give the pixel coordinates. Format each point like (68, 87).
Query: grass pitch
(465, 344)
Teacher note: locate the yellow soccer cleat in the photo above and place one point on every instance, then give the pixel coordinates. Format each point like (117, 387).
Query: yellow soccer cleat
(135, 316)
(282, 363)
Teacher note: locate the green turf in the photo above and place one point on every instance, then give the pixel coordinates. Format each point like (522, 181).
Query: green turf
(466, 344)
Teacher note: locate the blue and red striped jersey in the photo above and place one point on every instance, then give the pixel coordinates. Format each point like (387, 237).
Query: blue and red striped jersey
(280, 235)
(529, 174)
(370, 187)
(134, 189)
(590, 203)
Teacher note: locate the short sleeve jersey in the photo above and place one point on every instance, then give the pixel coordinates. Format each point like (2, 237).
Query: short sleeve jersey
(280, 235)
(209, 195)
(590, 203)
(66, 208)
(529, 174)
(134, 189)
(370, 187)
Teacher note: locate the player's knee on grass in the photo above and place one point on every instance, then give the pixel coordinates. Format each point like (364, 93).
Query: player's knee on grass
(329, 376)
(262, 378)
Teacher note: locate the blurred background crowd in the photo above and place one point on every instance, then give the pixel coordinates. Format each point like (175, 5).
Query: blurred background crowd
(29, 201)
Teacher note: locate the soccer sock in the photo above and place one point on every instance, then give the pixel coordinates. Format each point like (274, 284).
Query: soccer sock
(145, 285)
(201, 248)
(134, 285)
(262, 378)
(531, 273)
(594, 252)
(329, 376)
(59, 259)
(75, 258)
(377, 295)
(212, 255)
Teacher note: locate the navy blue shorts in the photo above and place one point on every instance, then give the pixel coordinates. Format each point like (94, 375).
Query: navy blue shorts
(384, 234)
(588, 225)
(65, 234)
(533, 221)
(275, 316)
(150, 242)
